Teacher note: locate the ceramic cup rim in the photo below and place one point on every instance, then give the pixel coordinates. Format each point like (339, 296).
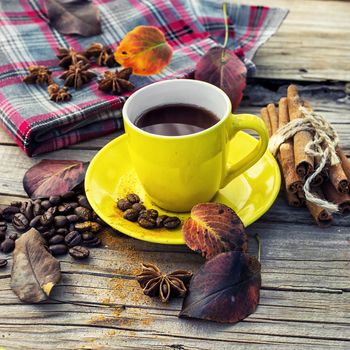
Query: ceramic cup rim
(159, 84)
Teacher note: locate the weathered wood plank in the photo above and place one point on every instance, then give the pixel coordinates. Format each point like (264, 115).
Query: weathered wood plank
(311, 44)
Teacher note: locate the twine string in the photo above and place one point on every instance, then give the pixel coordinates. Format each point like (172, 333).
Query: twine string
(322, 146)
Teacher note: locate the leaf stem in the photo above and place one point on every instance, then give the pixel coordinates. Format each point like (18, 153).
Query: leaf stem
(258, 239)
(224, 9)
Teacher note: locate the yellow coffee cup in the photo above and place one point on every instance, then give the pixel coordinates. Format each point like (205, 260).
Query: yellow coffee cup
(178, 172)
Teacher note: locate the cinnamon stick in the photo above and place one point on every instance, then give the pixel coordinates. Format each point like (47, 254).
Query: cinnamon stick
(304, 164)
(322, 217)
(273, 116)
(342, 199)
(292, 180)
(323, 176)
(294, 200)
(338, 178)
(265, 117)
(345, 162)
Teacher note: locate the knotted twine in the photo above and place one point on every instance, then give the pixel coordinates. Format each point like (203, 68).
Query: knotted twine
(322, 146)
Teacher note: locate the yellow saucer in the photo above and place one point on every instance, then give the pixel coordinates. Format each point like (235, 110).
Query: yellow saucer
(110, 176)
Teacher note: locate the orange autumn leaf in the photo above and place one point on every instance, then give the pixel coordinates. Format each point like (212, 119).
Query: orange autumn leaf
(145, 50)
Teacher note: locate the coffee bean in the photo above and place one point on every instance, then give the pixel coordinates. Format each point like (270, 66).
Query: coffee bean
(55, 200)
(95, 242)
(138, 206)
(2, 236)
(83, 202)
(160, 220)
(133, 198)
(41, 228)
(7, 246)
(62, 231)
(68, 196)
(3, 226)
(73, 238)
(72, 218)
(37, 209)
(82, 226)
(37, 201)
(73, 205)
(45, 204)
(35, 221)
(3, 263)
(146, 221)
(20, 222)
(124, 204)
(83, 213)
(56, 239)
(71, 227)
(58, 249)
(16, 203)
(100, 221)
(152, 213)
(49, 234)
(52, 210)
(64, 208)
(94, 216)
(60, 221)
(171, 222)
(13, 236)
(79, 252)
(131, 214)
(27, 209)
(9, 212)
(47, 218)
(87, 236)
(95, 226)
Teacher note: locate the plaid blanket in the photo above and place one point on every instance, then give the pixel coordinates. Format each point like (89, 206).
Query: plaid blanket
(26, 38)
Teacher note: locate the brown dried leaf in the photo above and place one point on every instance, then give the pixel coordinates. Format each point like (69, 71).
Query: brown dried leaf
(35, 271)
(226, 289)
(74, 17)
(52, 177)
(214, 228)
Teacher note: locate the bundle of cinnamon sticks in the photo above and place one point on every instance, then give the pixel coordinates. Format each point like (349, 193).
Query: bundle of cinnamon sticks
(332, 184)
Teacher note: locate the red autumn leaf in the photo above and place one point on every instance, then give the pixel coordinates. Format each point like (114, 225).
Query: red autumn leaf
(74, 17)
(226, 289)
(222, 68)
(53, 177)
(214, 228)
(145, 50)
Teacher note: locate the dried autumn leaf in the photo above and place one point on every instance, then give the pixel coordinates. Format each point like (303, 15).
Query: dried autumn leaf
(222, 68)
(145, 50)
(226, 289)
(74, 17)
(214, 228)
(35, 271)
(53, 177)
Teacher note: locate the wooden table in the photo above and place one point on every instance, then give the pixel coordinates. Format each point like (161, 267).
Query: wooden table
(305, 295)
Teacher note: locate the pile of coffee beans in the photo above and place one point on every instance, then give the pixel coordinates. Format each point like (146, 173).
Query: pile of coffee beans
(66, 222)
(134, 211)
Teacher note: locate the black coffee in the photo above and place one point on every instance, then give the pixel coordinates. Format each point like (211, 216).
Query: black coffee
(176, 120)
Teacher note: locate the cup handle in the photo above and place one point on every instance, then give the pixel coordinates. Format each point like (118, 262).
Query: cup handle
(240, 122)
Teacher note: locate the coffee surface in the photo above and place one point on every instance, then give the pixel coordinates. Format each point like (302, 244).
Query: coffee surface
(176, 120)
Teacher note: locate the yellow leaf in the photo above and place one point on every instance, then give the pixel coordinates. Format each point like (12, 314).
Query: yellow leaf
(145, 50)
(47, 288)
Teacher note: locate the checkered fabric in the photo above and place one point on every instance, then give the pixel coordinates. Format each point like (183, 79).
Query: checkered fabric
(191, 27)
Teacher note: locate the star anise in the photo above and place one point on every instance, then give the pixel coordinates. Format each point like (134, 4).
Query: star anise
(155, 283)
(38, 75)
(103, 55)
(58, 95)
(69, 56)
(77, 75)
(116, 82)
